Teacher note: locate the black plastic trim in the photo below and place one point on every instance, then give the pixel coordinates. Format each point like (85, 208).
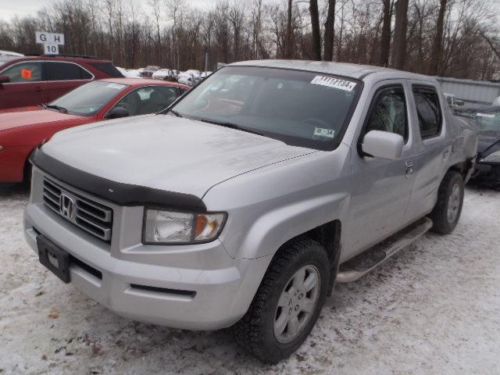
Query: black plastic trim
(185, 293)
(115, 192)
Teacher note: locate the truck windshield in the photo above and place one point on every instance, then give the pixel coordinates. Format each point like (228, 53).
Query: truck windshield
(89, 99)
(300, 108)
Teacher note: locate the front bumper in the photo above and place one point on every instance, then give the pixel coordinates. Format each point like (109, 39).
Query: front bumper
(487, 173)
(196, 287)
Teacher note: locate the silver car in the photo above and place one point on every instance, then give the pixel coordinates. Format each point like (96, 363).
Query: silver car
(244, 202)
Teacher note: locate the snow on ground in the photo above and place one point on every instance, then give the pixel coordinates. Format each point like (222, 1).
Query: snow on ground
(432, 309)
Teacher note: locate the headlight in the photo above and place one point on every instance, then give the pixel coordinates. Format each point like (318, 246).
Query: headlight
(170, 227)
(492, 158)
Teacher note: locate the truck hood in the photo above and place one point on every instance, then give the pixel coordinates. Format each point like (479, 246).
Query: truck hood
(167, 153)
(29, 116)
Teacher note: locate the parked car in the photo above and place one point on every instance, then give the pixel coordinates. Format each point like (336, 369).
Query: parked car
(165, 75)
(189, 77)
(238, 205)
(33, 80)
(23, 130)
(488, 162)
(148, 71)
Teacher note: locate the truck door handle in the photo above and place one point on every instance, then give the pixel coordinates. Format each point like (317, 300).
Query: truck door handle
(409, 168)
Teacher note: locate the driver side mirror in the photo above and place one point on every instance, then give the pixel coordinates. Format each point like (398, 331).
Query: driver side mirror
(384, 145)
(117, 112)
(4, 79)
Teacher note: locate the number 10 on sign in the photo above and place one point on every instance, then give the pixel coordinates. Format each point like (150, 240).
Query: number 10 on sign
(51, 49)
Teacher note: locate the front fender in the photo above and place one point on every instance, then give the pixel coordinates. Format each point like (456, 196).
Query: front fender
(273, 229)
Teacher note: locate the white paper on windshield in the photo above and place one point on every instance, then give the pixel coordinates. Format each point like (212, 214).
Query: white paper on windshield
(324, 133)
(487, 115)
(335, 83)
(114, 86)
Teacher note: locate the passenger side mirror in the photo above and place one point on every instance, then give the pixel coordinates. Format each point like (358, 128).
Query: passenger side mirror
(384, 145)
(117, 112)
(4, 79)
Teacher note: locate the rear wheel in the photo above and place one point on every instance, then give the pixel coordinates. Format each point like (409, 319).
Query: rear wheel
(449, 205)
(287, 303)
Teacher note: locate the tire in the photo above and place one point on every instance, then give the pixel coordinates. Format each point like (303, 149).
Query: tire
(448, 208)
(258, 331)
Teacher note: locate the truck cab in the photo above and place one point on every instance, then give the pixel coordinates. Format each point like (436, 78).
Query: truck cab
(244, 203)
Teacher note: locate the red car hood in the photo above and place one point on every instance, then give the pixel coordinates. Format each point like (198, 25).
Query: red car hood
(29, 117)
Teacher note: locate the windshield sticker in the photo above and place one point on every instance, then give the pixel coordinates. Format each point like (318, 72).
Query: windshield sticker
(324, 133)
(114, 86)
(336, 83)
(487, 115)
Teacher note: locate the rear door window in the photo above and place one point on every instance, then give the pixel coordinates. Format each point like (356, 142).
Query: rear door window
(24, 72)
(60, 71)
(429, 113)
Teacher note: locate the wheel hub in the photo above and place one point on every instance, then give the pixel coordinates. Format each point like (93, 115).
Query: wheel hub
(296, 304)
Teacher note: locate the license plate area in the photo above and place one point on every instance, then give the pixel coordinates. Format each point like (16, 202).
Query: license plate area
(54, 258)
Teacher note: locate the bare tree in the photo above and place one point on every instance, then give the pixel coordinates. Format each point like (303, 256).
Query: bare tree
(437, 46)
(289, 31)
(329, 31)
(385, 40)
(400, 30)
(316, 35)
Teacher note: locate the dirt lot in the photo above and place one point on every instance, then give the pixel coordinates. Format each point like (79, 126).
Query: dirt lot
(433, 309)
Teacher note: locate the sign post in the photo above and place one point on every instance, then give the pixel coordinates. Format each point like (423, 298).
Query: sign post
(50, 41)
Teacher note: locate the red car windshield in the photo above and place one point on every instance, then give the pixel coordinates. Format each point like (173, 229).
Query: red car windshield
(89, 99)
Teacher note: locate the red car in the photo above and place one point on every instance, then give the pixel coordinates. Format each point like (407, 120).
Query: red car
(22, 130)
(33, 80)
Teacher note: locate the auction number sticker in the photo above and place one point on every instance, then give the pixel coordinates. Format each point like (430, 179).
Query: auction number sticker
(335, 83)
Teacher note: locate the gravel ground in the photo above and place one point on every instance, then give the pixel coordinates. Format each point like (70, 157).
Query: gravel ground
(432, 309)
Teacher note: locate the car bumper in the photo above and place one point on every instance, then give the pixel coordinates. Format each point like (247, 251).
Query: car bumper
(179, 297)
(13, 163)
(487, 173)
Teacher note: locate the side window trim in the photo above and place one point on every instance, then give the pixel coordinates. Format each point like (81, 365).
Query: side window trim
(373, 102)
(429, 88)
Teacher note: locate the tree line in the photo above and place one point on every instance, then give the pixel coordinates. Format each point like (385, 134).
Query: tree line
(457, 38)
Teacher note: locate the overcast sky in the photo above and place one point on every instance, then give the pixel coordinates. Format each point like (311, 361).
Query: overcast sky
(10, 8)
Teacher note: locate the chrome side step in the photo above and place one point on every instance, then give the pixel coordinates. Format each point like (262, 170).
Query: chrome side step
(365, 262)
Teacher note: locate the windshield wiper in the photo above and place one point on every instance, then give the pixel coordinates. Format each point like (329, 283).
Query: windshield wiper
(56, 107)
(232, 126)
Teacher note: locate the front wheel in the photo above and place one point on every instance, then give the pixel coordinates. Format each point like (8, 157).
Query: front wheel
(287, 303)
(449, 205)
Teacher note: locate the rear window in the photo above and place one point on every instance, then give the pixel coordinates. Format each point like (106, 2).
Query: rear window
(60, 71)
(109, 69)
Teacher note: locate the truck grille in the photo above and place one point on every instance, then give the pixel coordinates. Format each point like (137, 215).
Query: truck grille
(87, 215)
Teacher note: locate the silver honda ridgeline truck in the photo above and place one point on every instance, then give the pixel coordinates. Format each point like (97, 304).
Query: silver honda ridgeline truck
(244, 202)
